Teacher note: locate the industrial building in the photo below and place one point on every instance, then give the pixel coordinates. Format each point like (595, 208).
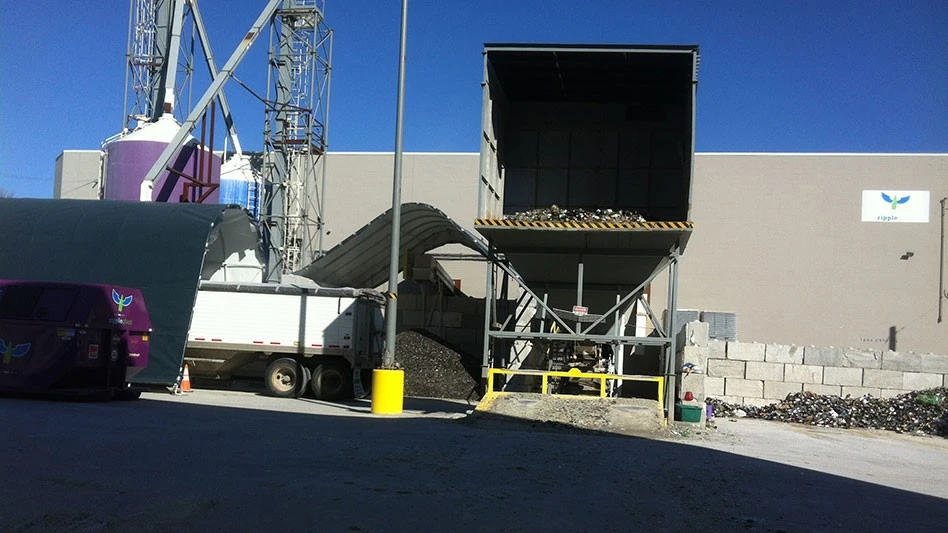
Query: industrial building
(779, 239)
(781, 248)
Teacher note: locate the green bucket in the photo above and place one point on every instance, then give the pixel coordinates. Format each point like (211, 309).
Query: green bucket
(687, 413)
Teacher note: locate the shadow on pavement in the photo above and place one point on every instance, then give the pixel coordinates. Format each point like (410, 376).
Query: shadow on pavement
(156, 465)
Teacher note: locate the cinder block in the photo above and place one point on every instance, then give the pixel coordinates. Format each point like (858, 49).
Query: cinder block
(862, 358)
(693, 334)
(745, 351)
(859, 392)
(713, 387)
(823, 390)
(920, 381)
(823, 356)
(753, 388)
(730, 399)
(757, 402)
(783, 353)
(934, 363)
(883, 379)
(717, 349)
(803, 373)
(695, 384)
(892, 393)
(722, 368)
(904, 361)
(778, 390)
(766, 371)
(842, 376)
(696, 355)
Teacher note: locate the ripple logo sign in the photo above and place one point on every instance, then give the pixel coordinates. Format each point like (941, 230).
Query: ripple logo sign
(896, 206)
(9, 350)
(121, 301)
(894, 200)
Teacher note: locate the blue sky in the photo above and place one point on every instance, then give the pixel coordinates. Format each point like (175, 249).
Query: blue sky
(801, 76)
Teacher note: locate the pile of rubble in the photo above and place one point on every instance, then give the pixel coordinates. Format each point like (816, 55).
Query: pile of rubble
(923, 412)
(432, 369)
(559, 214)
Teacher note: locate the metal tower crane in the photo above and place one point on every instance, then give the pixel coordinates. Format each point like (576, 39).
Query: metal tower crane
(297, 115)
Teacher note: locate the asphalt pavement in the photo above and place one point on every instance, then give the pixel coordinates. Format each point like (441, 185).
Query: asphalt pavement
(239, 461)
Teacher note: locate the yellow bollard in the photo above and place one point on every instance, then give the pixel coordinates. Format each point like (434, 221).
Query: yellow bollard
(388, 391)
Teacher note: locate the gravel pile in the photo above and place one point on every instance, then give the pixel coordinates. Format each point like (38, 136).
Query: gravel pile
(432, 370)
(627, 416)
(914, 412)
(559, 214)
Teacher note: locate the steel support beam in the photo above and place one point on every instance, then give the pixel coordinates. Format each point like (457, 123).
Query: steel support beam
(488, 305)
(171, 59)
(627, 297)
(651, 316)
(529, 335)
(671, 392)
(212, 70)
(216, 85)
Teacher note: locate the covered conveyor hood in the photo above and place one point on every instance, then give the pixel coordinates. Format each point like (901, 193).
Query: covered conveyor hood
(362, 260)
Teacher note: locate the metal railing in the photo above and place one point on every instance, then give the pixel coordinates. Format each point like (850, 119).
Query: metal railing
(576, 374)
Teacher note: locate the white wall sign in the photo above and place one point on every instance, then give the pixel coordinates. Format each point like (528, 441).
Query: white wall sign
(895, 206)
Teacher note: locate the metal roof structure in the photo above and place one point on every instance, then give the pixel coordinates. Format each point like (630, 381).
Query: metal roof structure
(593, 73)
(362, 259)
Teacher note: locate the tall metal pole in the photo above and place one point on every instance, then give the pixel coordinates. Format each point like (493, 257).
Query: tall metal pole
(388, 357)
(941, 261)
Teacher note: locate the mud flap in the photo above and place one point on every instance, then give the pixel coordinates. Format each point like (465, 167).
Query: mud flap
(357, 389)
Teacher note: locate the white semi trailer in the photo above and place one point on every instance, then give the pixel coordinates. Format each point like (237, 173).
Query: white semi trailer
(326, 339)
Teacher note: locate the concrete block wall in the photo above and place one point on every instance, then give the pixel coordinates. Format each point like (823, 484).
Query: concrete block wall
(760, 374)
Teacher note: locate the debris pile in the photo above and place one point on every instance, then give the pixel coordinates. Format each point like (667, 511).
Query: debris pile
(559, 214)
(914, 412)
(433, 370)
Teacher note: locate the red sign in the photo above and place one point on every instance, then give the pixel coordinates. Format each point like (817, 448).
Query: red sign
(93, 351)
(580, 310)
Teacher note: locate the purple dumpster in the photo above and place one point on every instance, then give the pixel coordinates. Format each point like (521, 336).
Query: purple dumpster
(71, 338)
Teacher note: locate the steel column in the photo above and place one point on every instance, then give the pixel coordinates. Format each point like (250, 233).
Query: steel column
(388, 356)
(672, 331)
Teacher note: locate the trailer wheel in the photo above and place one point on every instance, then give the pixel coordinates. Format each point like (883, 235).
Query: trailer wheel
(304, 386)
(332, 380)
(284, 378)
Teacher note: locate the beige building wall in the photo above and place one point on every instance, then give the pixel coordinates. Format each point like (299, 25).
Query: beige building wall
(779, 240)
(359, 188)
(77, 175)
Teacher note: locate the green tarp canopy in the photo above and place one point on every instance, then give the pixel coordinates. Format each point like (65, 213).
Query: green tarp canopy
(163, 249)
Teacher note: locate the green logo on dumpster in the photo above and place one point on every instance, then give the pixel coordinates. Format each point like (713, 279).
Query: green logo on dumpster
(9, 350)
(121, 301)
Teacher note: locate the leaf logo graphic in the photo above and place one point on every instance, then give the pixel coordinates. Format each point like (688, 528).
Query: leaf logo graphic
(895, 200)
(121, 301)
(10, 351)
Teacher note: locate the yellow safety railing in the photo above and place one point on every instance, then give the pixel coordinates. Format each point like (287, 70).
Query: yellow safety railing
(545, 376)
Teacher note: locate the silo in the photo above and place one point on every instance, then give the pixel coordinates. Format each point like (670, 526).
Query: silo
(239, 185)
(131, 157)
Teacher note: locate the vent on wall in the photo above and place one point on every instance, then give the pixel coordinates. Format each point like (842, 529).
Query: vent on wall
(722, 326)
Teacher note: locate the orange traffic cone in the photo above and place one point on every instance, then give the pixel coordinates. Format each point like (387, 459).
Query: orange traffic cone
(185, 380)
